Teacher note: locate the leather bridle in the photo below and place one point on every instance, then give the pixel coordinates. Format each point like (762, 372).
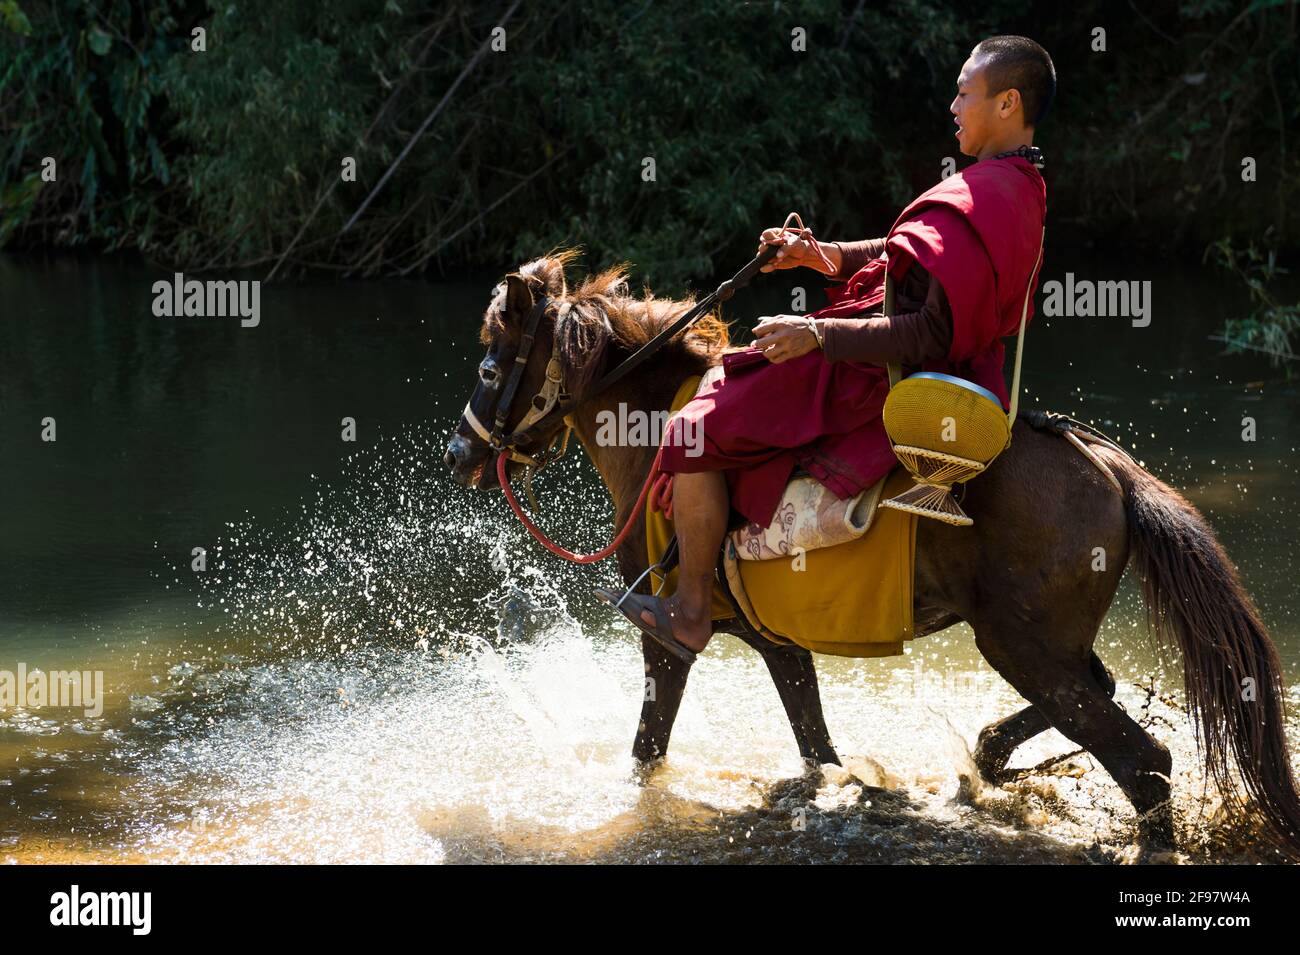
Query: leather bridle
(550, 394)
(553, 402)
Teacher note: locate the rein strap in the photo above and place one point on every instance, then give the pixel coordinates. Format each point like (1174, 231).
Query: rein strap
(643, 354)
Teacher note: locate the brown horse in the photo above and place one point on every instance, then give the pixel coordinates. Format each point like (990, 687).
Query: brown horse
(1023, 576)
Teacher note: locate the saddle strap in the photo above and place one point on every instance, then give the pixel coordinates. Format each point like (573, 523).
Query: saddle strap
(1020, 336)
(894, 368)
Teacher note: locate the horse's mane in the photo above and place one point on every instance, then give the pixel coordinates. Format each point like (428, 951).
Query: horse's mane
(601, 313)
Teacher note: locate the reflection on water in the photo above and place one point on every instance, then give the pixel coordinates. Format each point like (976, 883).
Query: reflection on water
(379, 666)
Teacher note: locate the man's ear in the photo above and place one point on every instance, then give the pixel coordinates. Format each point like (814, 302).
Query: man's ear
(519, 298)
(1011, 100)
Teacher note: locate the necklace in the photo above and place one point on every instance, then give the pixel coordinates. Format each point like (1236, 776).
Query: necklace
(1031, 153)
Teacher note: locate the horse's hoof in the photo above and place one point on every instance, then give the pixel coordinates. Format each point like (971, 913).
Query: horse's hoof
(643, 769)
(991, 757)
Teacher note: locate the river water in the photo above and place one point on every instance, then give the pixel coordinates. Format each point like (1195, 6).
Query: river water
(377, 665)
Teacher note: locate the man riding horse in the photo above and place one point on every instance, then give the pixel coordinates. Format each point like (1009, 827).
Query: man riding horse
(1023, 576)
(809, 393)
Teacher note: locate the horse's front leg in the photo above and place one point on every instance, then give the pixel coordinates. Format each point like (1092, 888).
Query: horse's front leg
(795, 677)
(665, 682)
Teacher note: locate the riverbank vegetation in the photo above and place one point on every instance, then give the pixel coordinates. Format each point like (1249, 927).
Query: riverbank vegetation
(232, 156)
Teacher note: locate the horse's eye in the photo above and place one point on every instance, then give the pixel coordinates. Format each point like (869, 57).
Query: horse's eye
(488, 372)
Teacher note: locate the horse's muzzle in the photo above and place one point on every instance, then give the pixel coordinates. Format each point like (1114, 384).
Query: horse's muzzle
(471, 462)
(465, 461)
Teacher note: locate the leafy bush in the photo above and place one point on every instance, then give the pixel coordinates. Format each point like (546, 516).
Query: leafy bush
(232, 156)
(1270, 324)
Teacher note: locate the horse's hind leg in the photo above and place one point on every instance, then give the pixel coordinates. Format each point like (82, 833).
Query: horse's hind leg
(665, 682)
(795, 677)
(1056, 677)
(999, 740)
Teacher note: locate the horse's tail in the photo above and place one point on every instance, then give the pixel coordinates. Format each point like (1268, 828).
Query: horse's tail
(1231, 670)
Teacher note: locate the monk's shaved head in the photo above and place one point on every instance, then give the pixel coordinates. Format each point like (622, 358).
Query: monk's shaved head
(1017, 62)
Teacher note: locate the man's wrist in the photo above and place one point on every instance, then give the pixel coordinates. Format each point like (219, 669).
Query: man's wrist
(835, 255)
(816, 331)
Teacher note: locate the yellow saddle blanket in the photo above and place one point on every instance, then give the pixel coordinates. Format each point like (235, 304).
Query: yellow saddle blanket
(851, 600)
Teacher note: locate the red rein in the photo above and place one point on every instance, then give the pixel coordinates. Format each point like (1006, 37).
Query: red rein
(554, 548)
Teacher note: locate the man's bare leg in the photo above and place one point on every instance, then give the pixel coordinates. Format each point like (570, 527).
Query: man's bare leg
(700, 518)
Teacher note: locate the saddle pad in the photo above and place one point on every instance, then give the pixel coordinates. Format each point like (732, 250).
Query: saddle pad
(852, 599)
(809, 516)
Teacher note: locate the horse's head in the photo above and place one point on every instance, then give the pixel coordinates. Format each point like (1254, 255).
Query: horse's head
(524, 375)
(547, 345)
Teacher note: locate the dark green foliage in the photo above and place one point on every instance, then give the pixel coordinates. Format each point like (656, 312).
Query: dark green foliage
(222, 157)
(81, 83)
(1269, 325)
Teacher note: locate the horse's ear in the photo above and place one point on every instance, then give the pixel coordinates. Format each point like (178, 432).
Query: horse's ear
(519, 298)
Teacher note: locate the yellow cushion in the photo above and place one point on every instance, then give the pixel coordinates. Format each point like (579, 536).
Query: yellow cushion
(943, 416)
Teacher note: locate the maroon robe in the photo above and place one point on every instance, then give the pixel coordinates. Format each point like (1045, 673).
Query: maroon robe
(978, 233)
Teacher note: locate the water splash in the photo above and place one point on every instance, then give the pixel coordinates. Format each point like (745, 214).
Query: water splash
(391, 552)
(395, 673)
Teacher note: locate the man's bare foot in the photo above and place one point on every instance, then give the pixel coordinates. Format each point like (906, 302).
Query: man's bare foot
(693, 631)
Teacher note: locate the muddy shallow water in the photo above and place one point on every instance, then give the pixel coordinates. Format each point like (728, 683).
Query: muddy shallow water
(377, 665)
